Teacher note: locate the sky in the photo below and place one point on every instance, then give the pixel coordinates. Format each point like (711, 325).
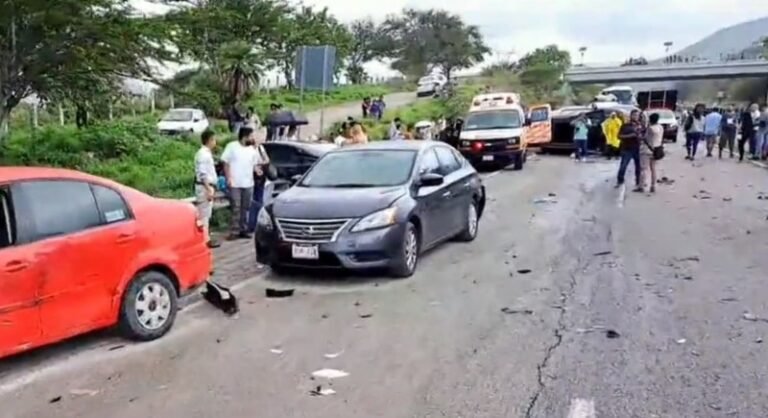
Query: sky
(612, 30)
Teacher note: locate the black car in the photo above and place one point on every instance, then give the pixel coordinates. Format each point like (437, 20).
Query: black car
(378, 205)
(292, 158)
(562, 130)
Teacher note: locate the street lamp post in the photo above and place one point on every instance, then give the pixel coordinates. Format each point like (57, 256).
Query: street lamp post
(582, 50)
(667, 45)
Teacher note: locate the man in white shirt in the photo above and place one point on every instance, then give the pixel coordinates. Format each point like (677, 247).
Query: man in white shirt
(205, 183)
(240, 163)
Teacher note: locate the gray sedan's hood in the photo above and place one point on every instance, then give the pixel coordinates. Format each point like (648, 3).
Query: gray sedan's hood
(329, 203)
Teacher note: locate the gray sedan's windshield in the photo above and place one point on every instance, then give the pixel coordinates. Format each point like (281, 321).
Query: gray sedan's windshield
(364, 168)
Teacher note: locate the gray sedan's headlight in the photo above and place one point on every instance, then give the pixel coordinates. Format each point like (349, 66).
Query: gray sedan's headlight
(376, 220)
(264, 220)
(513, 141)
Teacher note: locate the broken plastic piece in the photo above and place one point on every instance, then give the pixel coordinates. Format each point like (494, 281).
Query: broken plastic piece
(276, 351)
(279, 293)
(329, 374)
(612, 334)
(333, 355)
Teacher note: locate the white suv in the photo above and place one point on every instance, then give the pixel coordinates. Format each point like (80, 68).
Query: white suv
(431, 85)
(183, 121)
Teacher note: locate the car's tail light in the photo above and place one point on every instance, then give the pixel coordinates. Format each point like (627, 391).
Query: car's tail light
(478, 146)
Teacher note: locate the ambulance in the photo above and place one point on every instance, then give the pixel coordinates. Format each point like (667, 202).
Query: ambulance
(495, 130)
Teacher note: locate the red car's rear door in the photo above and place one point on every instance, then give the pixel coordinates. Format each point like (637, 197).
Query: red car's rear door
(73, 248)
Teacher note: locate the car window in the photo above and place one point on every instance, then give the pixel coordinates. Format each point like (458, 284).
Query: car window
(361, 168)
(448, 161)
(111, 205)
(6, 228)
(280, 154)
(53, 208)
(429, 163)
(462, 161)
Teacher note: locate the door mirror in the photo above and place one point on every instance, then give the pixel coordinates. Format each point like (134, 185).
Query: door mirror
(430, 180)
(295, 179)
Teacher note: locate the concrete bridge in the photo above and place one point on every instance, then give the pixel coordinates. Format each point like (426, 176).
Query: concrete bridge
(666, 72)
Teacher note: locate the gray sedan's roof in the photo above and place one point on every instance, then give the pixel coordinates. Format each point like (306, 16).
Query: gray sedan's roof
(395, 145)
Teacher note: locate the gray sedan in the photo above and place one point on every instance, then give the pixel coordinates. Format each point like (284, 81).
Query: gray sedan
(379, 205)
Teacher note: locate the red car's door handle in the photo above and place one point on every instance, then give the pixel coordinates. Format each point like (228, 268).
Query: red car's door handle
(15, 266)
(123, 238)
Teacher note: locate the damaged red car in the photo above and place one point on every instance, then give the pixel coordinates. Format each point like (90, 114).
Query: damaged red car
(80, 253)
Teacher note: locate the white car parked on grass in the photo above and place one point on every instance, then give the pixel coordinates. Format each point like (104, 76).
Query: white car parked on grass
(181, 121)
(431, 85)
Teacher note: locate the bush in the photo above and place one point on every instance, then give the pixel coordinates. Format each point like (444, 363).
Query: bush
(131, 152)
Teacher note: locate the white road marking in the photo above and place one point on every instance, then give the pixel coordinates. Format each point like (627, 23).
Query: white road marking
(95, 355)
(582, 408)
(622, 196)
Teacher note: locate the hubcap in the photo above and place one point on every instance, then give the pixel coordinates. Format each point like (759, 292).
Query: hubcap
(411, 250)
(153, 306)
(472, 220)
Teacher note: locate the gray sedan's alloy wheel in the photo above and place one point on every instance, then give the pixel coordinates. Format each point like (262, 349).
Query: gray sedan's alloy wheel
(405, 264)
(471, 223)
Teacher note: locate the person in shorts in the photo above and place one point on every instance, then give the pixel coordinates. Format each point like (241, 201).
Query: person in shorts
(205, 183)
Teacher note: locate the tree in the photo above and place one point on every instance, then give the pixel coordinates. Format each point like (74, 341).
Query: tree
(550, 56)
(241, 67)
(367, 44)
(55, 51)
(221, 33)
(542, 70)
(421, 40)
(306, 27)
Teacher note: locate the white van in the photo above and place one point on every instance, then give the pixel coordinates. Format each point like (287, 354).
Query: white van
(430, 85)
(493, 131)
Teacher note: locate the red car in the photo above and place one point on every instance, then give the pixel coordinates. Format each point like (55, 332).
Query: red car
(80, 253)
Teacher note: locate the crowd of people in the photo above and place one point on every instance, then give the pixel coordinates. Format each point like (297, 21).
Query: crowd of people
(245, 168)
(721, 127)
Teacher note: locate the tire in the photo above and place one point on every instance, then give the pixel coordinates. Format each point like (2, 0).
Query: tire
(407, 259)
(519, 162)
(162, 302)
(471, 223)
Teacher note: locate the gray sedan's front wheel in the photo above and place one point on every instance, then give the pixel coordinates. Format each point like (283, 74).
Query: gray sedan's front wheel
(407, 259)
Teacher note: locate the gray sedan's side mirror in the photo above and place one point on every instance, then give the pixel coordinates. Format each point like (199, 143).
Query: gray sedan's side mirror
(430, 180)
(295, 179)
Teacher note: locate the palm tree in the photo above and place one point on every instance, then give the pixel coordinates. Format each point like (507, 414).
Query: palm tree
(241, 67)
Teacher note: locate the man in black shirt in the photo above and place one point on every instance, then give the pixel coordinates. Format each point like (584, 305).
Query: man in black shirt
(630, 135)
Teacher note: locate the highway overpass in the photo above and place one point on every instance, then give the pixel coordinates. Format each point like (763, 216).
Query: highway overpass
(666, 72)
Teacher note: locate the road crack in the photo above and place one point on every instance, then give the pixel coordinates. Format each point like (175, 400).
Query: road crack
(558, 340)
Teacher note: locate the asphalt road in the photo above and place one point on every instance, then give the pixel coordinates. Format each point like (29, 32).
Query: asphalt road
(672, 275)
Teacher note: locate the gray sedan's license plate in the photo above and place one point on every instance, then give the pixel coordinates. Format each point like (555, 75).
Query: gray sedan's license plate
(305, 252)
(487, 157)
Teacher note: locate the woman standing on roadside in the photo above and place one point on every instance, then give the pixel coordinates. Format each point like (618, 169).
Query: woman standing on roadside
(694, 131)
(654, 137)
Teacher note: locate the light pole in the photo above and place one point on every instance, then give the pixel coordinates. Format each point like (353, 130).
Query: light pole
(582, 50)
(667, 45)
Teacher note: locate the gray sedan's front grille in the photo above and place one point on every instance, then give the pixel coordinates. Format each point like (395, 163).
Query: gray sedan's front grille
(311, 230)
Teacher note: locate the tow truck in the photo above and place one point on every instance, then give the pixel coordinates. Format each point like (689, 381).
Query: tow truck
(493, 131)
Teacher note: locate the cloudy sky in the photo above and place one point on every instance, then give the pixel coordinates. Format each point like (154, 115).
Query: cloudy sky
(612, 30)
